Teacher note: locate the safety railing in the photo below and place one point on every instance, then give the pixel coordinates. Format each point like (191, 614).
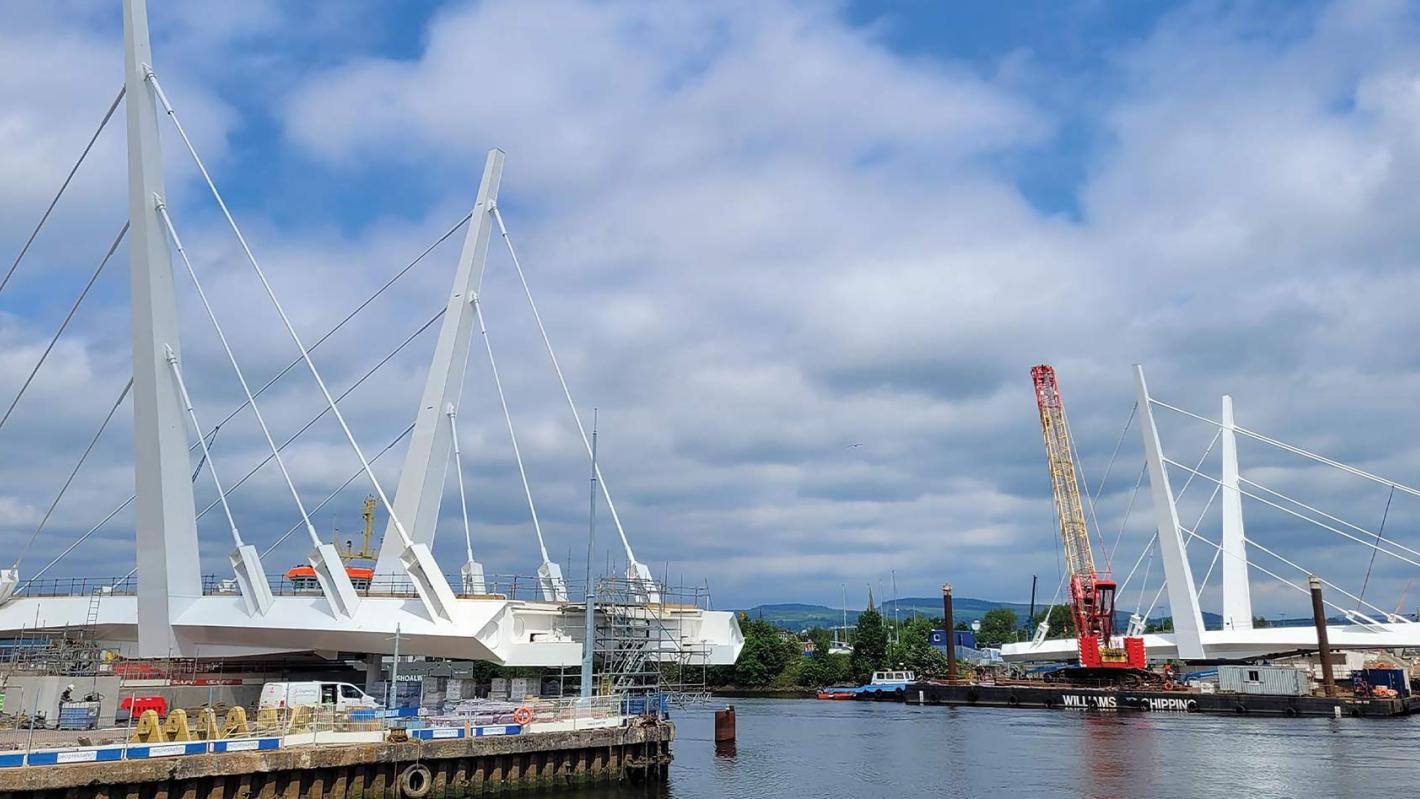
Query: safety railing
(77, 586)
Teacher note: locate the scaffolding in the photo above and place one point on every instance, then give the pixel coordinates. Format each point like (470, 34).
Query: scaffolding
(644, 650)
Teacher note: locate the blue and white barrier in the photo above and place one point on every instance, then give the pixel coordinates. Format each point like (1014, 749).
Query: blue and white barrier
(84, 755)
(449, 733)
(245, 745)
(167, 750)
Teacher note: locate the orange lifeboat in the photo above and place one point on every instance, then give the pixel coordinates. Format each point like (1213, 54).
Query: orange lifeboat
(303, 578)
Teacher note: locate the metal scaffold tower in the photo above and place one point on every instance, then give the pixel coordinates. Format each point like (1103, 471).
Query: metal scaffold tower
(642, 648)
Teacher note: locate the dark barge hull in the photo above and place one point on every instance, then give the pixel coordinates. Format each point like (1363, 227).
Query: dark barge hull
(1064, 697)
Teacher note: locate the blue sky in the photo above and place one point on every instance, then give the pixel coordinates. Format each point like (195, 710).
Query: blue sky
(761, 232)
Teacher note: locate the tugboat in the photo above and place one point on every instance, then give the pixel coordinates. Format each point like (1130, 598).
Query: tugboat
(884, 685)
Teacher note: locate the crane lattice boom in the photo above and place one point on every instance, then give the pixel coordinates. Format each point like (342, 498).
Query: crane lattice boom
(1091, 591)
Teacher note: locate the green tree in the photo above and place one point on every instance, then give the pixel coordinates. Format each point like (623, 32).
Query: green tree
(1162, 626)
(765, 655)
(1260, 622)
(821, 668)
(869, 645)
(914, 650)
(999, 625)
(1062, 622)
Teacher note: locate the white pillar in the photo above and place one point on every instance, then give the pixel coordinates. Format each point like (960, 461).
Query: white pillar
(169, 573)
(1183, 597)
(421, 482)
(1237, 596)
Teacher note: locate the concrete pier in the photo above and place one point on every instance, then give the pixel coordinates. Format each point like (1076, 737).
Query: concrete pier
(460, 767)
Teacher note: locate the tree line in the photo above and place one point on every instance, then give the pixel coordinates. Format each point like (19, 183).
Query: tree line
(774, 658)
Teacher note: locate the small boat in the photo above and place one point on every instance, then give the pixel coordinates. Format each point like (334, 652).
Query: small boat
(303, 578)
(885, 684)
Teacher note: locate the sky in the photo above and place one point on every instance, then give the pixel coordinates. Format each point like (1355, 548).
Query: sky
(800, 256)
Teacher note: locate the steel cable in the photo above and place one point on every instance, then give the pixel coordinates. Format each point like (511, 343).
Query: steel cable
(64, 324)
(52, 203)
(74, 472)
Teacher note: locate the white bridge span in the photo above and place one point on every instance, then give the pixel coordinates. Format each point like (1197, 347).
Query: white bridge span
(171, 611)
(1368, 626)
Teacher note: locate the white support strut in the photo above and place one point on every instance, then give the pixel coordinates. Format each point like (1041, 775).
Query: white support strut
(1237, 595)
(1183, 598)
(434, 591)
(421, 480)
(472, 570)
(339, 591)
(169, 572)
(246, 563)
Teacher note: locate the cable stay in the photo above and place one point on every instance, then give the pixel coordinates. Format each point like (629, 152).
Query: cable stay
(1341, 533)
(93, 278)
(1155, 537)
(1145, 616)
(269, 383)
(1129, 508)
(291, 439)
(636, 571)
(1379, 539)
(418, 560)
(1375, 547)
(549, 574)
(472, 570)
(1295, 450)
(202, 461)
(9, 578)
(245, 559)
(202, 441)
(332, 495)
(62, 187)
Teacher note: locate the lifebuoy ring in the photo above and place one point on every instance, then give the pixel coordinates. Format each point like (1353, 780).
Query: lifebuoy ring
(1168, 685)
(523, 715)
(415, 782)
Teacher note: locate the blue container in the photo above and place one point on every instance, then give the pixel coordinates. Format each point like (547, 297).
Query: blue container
(1390, 678)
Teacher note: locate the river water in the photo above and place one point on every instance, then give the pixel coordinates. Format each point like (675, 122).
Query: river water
(807, 748)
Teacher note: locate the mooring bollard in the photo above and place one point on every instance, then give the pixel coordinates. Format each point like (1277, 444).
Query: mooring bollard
(725, 724)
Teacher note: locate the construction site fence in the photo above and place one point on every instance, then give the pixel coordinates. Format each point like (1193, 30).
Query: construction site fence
(204, 732)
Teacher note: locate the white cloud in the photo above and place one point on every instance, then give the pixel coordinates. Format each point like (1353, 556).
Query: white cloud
(759, 234)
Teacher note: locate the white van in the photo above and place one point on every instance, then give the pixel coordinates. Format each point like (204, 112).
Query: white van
(340, 695)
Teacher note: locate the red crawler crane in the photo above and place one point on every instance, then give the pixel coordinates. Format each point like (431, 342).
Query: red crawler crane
(1091, 591)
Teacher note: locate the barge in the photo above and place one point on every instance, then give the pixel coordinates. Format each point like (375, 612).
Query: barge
(1068, 697)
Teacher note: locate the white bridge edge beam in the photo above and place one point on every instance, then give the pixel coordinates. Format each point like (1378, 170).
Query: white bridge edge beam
(169, 573)
(1183, 598)
(1237, 594)
(421, 480)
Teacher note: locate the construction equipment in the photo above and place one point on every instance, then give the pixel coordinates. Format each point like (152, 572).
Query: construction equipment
(348, 552)
(1103, 656)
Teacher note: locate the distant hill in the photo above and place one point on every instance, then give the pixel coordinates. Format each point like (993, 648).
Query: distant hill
(796, 616)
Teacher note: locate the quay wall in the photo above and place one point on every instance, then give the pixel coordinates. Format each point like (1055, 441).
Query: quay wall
(456, 768)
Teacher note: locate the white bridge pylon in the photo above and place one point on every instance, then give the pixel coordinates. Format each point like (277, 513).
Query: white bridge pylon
(171, 615)
(1370, 627)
